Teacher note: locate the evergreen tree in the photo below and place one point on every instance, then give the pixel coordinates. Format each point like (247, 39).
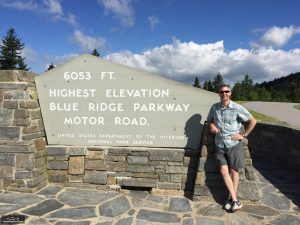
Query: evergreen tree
(237, 92)
(209, 86)
(196, 83)
(247, 87)
(10, 52)
(217, 82)
(50, 67)
(95, 53)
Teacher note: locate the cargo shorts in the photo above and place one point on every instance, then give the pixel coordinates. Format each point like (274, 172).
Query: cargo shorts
(233, 156)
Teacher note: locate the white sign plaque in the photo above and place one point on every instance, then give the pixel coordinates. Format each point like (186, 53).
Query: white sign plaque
(91, 101)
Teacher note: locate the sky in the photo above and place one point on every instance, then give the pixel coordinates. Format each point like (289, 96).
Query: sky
(177, 39)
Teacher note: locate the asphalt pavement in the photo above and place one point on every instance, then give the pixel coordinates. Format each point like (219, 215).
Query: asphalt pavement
(282, 111)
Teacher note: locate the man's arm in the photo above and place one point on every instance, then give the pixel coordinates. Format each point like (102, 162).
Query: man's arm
(249, 128)
(251, 124)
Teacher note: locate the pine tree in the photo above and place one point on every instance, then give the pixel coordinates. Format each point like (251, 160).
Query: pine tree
(50, 67)
(196, 83)
(10, 52)
(95, 53)
(217, 82)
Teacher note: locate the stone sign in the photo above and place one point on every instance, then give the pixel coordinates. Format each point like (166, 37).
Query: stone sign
(91, 101)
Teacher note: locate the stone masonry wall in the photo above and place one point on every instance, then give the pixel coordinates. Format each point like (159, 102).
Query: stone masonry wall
(154, 168)
(209, 182)
(22, 136)
(282, 144)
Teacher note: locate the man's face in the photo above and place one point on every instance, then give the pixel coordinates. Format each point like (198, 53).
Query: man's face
(224, 93)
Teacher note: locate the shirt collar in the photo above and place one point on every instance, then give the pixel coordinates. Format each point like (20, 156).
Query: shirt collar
(230, 105)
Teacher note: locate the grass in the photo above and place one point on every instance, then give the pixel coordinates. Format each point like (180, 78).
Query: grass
(297, 107)
(264, 118)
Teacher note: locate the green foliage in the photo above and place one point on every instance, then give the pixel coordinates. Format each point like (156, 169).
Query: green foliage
(10, 52)
(297, 107)
(95, 53)
(196, 83)
(217, 82)
(208, 85)
(50, 67)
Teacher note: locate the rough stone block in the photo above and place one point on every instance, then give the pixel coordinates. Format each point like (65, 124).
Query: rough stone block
(37, 180)
(6, 171)
(140, 169)
(40, 143)
(137, 182)
(21, 114)
(25, 174)
(176, 178)
(95, 165)
(75, 151)
(95, 177)
(9, 133)
(26, 76)
(16, 148)
(176, 169)
(166, 155)
(40, 162)
(32, 93)
(94, 154)
(25, 161)
(10, 104)
(76, 165)
(55, 150)
(115, 166)
(30, 130)
(28, 137)
(16, 94)
(75, 178)
(21, 122)
(115, 158)
(57, 176)
(137, 159)
(111, 180)
(7, 159)
(8, 76)
(30, 104)
(169, 186)
(14, 85)
(200, 179)
(164, 177)
(57, 165)
(5, 117)
(146, 175)
(35, 114)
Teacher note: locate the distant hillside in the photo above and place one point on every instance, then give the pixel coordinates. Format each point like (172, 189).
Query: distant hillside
(284, 88)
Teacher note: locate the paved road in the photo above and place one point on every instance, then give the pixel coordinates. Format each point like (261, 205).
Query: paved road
(280, 110)
(278, 204)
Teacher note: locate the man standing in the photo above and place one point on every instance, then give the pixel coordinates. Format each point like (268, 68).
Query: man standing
(224, 120)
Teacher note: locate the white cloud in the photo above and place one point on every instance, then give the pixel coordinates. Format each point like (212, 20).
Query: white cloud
(154, 21)
(121, 9)
(30, 54)
(54, 7)
(277, 37)
(185, 60)
(88, 43)
(20, 5)
(51, 8)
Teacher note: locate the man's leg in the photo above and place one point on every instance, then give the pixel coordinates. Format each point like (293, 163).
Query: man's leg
(235, 180)
(228, 181)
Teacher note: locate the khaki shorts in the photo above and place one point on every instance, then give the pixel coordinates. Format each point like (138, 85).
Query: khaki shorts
(233, 156)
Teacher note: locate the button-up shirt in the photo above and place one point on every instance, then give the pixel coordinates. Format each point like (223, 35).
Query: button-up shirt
(228, 120)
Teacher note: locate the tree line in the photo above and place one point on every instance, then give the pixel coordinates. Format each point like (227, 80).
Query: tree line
(283, 89)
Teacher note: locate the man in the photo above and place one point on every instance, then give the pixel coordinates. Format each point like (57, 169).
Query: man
(224, 120)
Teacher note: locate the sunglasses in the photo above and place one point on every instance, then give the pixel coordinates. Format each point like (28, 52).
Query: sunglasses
(222, 92)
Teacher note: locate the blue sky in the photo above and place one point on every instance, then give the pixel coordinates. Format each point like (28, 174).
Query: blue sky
(178, 39)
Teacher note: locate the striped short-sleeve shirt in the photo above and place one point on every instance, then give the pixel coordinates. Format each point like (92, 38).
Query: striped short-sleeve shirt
(228, 120)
